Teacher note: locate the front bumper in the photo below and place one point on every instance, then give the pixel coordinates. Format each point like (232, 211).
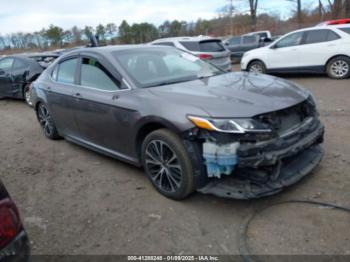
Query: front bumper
(17, 251)
(266, 168)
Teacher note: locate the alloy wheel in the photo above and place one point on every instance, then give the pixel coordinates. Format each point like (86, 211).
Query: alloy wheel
(163, 166)
(256, 68)
(340, 68)
(45, 120)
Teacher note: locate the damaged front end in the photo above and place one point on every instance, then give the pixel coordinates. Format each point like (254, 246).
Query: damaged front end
(274, 151)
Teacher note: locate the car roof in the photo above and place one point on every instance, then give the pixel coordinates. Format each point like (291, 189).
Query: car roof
(186, 38)
(106, 50)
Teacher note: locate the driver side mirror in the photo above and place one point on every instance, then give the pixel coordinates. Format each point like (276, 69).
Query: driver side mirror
(2, 72)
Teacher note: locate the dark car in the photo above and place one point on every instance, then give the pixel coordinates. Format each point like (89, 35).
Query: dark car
(17, 72)
(238, 45)
(14, 244)
(189, 124)
(44, 59)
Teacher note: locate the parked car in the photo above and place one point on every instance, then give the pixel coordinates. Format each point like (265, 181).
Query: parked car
(44, 59)
(189, 124)
(311, 50)
(17, 72)
(238, 45)
(206, 48)
(14, 244)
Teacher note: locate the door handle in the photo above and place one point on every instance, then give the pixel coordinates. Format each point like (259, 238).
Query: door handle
(77, 94)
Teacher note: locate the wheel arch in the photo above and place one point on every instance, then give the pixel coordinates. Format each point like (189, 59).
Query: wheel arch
(256, 60)
(335, 57)
(149, 125)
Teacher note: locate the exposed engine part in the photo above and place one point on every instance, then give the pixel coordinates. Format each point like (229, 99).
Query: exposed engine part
(220, 159)
(292, 170)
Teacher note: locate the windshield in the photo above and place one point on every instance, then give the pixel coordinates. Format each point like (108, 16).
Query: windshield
(153, 67)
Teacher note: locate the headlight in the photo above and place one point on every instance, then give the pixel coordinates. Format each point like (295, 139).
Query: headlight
(237, 125)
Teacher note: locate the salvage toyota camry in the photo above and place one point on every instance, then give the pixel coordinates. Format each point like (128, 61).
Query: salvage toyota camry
(190, 125)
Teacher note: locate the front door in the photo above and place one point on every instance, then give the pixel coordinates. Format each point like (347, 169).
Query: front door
(285, 54)
(101, 109)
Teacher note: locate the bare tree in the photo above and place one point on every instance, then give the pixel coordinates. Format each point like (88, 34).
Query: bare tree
(347, 8)
(253, 5)
(321, 10)
(336, 8)
(299, 11)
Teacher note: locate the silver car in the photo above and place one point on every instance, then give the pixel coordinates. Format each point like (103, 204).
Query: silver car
(206, 48)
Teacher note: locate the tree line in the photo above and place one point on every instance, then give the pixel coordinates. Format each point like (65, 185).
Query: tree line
(237, 17)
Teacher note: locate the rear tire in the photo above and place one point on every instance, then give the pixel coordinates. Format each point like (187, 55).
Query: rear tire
(46, 122)
(256, 67)
(167, 164)
(338, 67)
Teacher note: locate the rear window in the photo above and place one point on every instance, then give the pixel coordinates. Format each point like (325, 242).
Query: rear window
(204, 46)
(345, 29)
(211, 46)
(191, 46)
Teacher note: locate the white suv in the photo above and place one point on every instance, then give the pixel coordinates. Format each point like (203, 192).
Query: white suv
(324, 49)
(206, 48)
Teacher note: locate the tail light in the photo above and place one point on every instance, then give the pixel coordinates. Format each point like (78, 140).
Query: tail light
(205, 56)
(10, 223)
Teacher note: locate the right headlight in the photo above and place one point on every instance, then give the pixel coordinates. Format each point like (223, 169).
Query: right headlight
(236, 125)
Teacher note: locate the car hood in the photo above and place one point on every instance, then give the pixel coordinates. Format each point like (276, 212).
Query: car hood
(233, 94)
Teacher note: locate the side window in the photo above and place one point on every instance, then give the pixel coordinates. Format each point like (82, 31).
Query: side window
(234, 41)
(332, 36)
(345, 29)
(191, 46)
(290, 40)
(250, 39)
(6, 64)
(93, 74)
(165, 43)
(319, 36)
(19, 64)
(66, 71)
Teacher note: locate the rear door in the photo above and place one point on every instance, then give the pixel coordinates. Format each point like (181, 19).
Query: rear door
(234, 45)
(60, 95)
(5, 76)
(20, 71)
(249, 42)
(99, 105)
(318, 46)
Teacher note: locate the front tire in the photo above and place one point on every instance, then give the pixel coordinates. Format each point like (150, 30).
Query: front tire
(46, 122)
(256, 67)
(167, 164)
(338, 67)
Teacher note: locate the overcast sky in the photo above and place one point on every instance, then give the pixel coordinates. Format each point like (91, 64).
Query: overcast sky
(33, 15)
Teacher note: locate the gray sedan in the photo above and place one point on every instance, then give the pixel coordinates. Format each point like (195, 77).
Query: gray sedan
(190, 125)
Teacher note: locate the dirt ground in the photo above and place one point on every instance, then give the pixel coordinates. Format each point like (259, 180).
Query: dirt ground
(74, 201)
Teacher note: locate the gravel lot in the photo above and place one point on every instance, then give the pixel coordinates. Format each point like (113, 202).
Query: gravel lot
(74, 201)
